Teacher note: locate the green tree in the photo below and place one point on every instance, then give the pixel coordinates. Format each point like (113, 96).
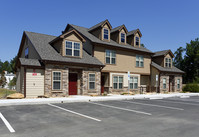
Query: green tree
(12, 64)
(2, 79)
(1, 66)
(191, 61)
(6, 66)
(179, 60)
(12, 82)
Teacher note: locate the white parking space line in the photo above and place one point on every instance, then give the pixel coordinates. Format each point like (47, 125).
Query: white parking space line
(153, 105)
(170, 101)
(125, 109)
(186, 100)
(75, 112)
(7, 123)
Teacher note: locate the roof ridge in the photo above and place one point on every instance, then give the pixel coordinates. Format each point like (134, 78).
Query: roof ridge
(161, 50)
(40, 33)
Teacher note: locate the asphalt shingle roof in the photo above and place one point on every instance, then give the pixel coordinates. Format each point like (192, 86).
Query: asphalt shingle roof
(97, 25)
(84, 31)
(160, 53)
(29, 62)
(160, 68)
(131, 32)
(47, 52)
(116, 29)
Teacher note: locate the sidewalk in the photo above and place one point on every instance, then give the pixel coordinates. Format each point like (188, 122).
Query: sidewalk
(7, 102)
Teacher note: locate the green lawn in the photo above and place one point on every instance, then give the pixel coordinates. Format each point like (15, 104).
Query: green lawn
(3, 92)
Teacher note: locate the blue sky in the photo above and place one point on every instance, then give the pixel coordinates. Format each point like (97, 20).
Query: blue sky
(165, 24)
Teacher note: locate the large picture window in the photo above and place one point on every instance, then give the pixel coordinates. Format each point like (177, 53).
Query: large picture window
(133, 82)
(91, 81)
(139, 61)
(106, 34)
(168, 62)
(164, 83)
(122, 37)
(56, 80)
(72, 48)
(117, 82)
(110, 57)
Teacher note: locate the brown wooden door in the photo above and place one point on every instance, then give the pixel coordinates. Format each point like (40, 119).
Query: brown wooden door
(72, 84)
(102, 84)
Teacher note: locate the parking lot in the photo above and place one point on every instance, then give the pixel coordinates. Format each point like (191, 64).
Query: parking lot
(172, 117)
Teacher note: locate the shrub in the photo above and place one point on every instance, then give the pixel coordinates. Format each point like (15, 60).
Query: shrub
(191, 88)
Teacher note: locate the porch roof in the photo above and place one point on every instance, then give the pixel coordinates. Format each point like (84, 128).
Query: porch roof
(163, 69)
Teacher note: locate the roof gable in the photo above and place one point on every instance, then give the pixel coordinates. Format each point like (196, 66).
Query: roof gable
(133, 32)
(119, 28)
(66, 34)
(101, 24)
(163, 53)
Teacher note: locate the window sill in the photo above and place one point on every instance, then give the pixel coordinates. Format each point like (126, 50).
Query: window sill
(72, 56)
(139, 67)
(56, 91)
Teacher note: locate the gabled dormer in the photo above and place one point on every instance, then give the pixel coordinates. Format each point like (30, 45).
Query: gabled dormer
(101, 30)
(118, 34)
(134, 37)
(69, 44)
(163, 58)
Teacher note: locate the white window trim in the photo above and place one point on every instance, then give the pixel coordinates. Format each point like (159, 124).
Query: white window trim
(133, 82)
(110, 56)
(91, 81)
(167, 62)
(178, 80)
(118, 82)
(73, 48)
(121, 37)
(57, 80)
(136, 41)
(164, 83)
(139, 61)
(106, 34)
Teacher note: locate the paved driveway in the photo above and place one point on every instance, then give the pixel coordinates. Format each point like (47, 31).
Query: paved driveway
(172, 117)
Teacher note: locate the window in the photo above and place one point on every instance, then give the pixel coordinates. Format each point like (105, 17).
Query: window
(168, 62)
(137, 39)
(139, 61)
(164, 83)
(117, 82)
(56, 80)
(122, 37)
(91, 81)
(106, 34)
(178, 83)
(110, 57)
(26, 53)
(72, 48)
(133, 82)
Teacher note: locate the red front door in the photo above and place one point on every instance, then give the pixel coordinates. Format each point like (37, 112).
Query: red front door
(72, 84)
(102, 84)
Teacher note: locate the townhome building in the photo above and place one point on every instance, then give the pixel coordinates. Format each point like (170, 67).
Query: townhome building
(83, 61)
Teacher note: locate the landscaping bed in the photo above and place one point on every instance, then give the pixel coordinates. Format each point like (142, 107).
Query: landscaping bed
(5, 92)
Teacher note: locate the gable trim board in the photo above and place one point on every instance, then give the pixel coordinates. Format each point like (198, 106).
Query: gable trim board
(51, 57)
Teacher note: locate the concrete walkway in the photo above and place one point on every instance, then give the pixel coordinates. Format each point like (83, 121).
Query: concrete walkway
(7, 102)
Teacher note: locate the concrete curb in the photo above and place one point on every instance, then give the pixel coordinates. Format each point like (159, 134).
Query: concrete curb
(10, 102)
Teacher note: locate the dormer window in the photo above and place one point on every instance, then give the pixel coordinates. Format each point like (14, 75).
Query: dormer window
(72, 48)
(137, 41)
(122, 37)
(168, 62)
(26, 52)
(106, 34)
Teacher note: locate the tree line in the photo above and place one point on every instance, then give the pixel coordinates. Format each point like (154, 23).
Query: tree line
(10, 68)
(187, 59)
